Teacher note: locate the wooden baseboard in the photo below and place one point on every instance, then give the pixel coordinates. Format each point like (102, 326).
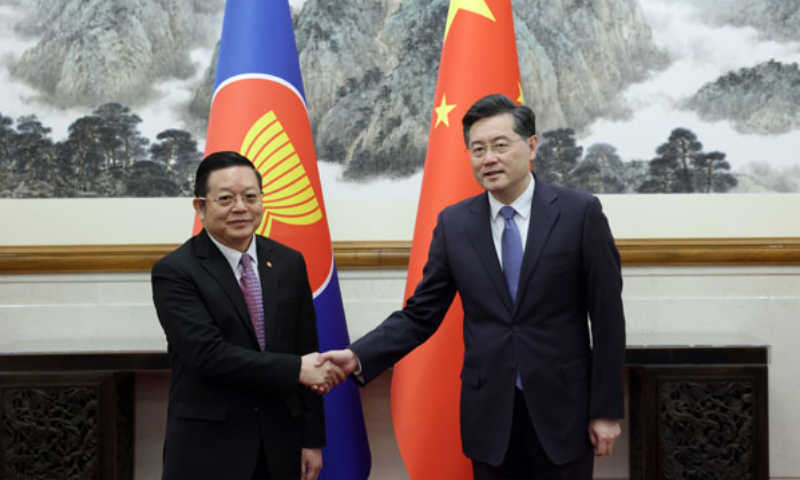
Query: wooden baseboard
(394, 255)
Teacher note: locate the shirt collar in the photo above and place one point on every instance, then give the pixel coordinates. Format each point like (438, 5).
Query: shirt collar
(522, 204)
(232, 255)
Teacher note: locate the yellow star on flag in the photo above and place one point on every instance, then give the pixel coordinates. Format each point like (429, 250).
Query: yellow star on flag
(521, 98)
(475, 6)
(442, 112)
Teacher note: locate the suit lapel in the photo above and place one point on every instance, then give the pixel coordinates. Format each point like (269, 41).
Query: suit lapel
(217, 266)
(480, 233)
(269, 286)
(542, 220)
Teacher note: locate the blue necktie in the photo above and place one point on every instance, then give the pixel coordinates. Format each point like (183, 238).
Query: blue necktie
(512, 251)
(512, 258)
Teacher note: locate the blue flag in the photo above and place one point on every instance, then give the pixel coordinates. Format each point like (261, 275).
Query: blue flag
(259, 110)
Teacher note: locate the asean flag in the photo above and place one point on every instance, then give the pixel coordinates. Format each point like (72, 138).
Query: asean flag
(259, 110)
(479, 57)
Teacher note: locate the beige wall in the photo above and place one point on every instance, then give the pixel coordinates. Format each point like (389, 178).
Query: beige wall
(170, 220)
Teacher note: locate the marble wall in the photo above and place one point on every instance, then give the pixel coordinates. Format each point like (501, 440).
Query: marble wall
(708, 304)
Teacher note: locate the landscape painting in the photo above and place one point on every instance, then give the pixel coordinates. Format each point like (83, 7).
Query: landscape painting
(110, 99)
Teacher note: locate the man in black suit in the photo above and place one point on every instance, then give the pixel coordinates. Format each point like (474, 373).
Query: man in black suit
(541, 391)
(239, 319)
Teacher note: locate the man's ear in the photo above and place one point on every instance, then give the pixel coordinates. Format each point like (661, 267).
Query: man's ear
(199, 208)
(533, 142)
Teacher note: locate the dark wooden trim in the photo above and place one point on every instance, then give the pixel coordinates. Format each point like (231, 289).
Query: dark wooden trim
(697, 355)
(378, 255)
(48, 360)
(83, 361)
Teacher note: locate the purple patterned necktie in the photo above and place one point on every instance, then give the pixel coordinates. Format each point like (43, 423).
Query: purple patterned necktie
(252, 296)
(512, 258)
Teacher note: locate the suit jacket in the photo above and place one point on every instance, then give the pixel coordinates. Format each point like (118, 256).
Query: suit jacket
(570, 268)
(227, 399)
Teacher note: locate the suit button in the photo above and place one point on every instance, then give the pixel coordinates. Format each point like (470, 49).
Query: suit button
(515, 328)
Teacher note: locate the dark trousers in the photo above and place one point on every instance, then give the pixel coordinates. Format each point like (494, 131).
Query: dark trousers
(261, 472)
(527, 460)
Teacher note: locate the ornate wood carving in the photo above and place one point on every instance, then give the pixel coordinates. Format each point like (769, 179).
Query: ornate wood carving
(50, 432)
(708, 428)
(68, 426)
(698, 421)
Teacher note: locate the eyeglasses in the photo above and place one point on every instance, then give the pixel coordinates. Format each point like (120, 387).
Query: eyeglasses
(499, 147)
(227, 200)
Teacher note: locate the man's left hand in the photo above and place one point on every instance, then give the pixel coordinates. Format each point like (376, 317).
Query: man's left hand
(603, 432)
(311, 463)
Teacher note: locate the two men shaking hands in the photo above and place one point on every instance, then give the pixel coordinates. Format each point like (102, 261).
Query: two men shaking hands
(542, 388)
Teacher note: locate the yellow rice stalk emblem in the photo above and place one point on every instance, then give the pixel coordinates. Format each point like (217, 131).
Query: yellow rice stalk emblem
(288, 194)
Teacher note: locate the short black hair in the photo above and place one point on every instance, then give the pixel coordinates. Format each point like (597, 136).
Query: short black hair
(218, 161)
(496, 104)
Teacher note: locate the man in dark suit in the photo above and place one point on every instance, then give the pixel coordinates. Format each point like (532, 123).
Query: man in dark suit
(239, 319)
(530, 261)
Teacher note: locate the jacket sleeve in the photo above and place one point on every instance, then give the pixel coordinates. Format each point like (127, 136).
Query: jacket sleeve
(408, 328)
(307, 342)
(603, 280)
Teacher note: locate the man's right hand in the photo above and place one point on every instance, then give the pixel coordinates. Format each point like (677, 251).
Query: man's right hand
(318, 374)
(346, 359)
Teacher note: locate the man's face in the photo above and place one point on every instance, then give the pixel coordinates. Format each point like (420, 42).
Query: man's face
(501, 158)
(231, 225)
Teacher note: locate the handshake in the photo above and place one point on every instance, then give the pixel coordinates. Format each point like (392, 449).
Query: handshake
(322, 371)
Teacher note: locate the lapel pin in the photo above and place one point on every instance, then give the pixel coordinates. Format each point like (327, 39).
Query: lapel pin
(269, 264)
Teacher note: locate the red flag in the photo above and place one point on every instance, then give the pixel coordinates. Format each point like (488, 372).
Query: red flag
(479, 57)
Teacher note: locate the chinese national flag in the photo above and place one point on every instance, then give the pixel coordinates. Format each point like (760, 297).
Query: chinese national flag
(479, 57)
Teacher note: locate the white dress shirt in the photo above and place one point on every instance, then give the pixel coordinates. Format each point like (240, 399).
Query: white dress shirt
(234, 257)
(522, 205)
